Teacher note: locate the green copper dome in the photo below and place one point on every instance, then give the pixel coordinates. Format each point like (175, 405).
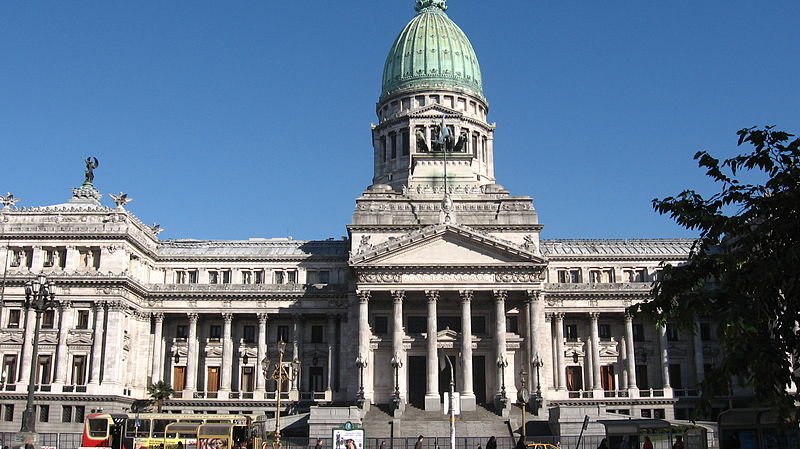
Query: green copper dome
(431, 53)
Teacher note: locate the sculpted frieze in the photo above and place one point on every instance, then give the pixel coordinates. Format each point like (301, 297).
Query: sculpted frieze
(11, 336)
(380, 278)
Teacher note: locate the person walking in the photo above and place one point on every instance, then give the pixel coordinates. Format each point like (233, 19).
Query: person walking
(418, 444)
(678, 442)
(492, 443)
(648, 444)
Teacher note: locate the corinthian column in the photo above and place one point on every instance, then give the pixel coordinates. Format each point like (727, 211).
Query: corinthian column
(500, 334)
(468, 401)
(63, 331)
(596, 381)
(363, 339)
(191, 362)
(261, 384)
(432, 377)
(662, 339)
(560, 366)
(633, 389)
(97, 343)
(227, 356)
(157, 372)
(398, 334)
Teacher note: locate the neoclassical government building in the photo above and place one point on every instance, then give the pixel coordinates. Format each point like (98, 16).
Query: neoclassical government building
(440, 260)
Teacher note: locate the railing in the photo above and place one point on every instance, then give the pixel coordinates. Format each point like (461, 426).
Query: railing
(581, 394)
(74, 388)
(273, 395)
(685, 393)
(615, 393)
(651, 393)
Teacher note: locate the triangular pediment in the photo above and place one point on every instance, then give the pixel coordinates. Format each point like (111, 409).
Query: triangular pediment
(445, 245)
(435, 109)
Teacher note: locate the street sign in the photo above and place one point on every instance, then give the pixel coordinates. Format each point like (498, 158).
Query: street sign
(348, 431)
(456, 403)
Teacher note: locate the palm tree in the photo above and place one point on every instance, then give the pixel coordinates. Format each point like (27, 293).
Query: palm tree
(160, 392)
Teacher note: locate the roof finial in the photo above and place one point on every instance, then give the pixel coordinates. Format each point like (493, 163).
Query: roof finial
(422, 4)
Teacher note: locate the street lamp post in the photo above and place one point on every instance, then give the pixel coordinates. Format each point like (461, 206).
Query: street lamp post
(361, 363)
(40, 296)
(397, 363)
(537, 396)
(451, 404)
(501, 365)
(279, 374)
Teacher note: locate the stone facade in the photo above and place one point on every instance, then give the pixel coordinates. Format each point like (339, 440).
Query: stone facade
(440, 261)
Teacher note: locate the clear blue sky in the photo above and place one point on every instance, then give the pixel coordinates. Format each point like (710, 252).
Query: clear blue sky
(251, 118)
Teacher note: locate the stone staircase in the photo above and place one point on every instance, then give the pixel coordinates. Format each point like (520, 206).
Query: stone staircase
(378, 422)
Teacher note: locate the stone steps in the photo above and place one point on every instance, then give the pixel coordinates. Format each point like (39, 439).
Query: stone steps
(414, 421)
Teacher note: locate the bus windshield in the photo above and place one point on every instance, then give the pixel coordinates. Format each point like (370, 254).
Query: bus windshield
(98, 428)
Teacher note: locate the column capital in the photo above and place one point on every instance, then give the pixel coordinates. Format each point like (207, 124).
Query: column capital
(500, 295)
(549, 316)
(432, 295)
(64, 304)
(227, 317)
(363, 295)
(158, 316)
(262, 318)
(628, 316)
(193, 316)
(398, 295)
(594, 316)
(534, 295)
(466, 295)
(99, 305)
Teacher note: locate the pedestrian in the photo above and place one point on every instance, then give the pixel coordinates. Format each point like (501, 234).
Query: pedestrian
(625, 444)
(603, 444)
(678, 443)
(319, 444)
(418, 444)
(382, 445)
(479, 446)
(647, 443)
(520, 443)
(492, 443)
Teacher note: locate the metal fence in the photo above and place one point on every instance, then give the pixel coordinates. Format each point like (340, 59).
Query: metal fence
(57, 440)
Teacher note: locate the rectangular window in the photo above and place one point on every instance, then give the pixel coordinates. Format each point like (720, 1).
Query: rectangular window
(9, 374)
(259, 276)
(381, 325)
(180, 277)
(249, 334)
(604, 331)
(316, 334)
(607, 378)
(448, 322)
(44, 413)
(574, 378)
(404, 142)
(291, 277)
(672, 333)
(478, 325)
(49, 319)
(14, 316)
(675, 380)
(658, 413)
(192, 276)
(247, 378)
(646, 413)
(16, 257)
(247, 277)
(44, 370)
(705, 331)
(79, 370)
(215, 331)
(638, 332)
(315, 379)
(393, 141)
(181, 331)
(226, 276)
(324, 277)
(80, 412)
(83, 319)
(66, 413)
(512, 324)
(282, 333)
(8, 413)
(571, 332)
(417, 324)
(642, 380)
(49, 257)
(213, 277)
(570, 276)
(277, 277)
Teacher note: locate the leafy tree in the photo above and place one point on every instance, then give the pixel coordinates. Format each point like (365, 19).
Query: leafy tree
(742, 271)
(160, 392)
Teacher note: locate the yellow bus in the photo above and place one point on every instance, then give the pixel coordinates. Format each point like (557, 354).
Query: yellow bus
(221, 436)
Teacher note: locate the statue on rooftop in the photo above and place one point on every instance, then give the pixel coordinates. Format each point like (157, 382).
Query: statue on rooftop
(9, 200)
(91, 164)
(121, 199)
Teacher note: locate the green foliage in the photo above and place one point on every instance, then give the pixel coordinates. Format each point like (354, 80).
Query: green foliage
(743, 269)
(160, 392)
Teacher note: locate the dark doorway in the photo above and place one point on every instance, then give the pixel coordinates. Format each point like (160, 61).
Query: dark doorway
(479, 378)
(444, 375)
(416, 380)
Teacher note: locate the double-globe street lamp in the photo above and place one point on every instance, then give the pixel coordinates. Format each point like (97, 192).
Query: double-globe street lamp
(537, 395)
(397, 363)
(40, 296)
(361, 363)
(280, 374)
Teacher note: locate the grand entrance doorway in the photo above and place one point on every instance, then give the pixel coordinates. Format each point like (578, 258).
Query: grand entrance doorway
(416, 380)
(479, 378)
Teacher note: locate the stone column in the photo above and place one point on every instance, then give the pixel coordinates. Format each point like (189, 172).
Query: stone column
(526, 332)
(468, 401)
(112, 359)
(633, 389)
(296, 336)
(157, 372)
(664, 346)
(597, 384)
(191, 361)
(330, 328)
(97, 343)
(261, 382)
(397, 336)
(699, 362)
(500, 333)
(227, 356)
(548, 328)
(363, 339)
(560, 366)
(432, 373)
(63, 353)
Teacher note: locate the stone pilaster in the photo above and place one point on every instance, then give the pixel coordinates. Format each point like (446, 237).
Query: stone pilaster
(468, 401)
(97, 343)
(597, 384)
(432, 373)
(113, 344)
(62, 359)
(192, 356)
(633, 389)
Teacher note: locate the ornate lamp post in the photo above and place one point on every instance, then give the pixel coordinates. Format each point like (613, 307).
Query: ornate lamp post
(537, 396)
(279, 374)
(397, 363)
(361, 363)
(501, 365)
(40, 296)
(522, 396)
